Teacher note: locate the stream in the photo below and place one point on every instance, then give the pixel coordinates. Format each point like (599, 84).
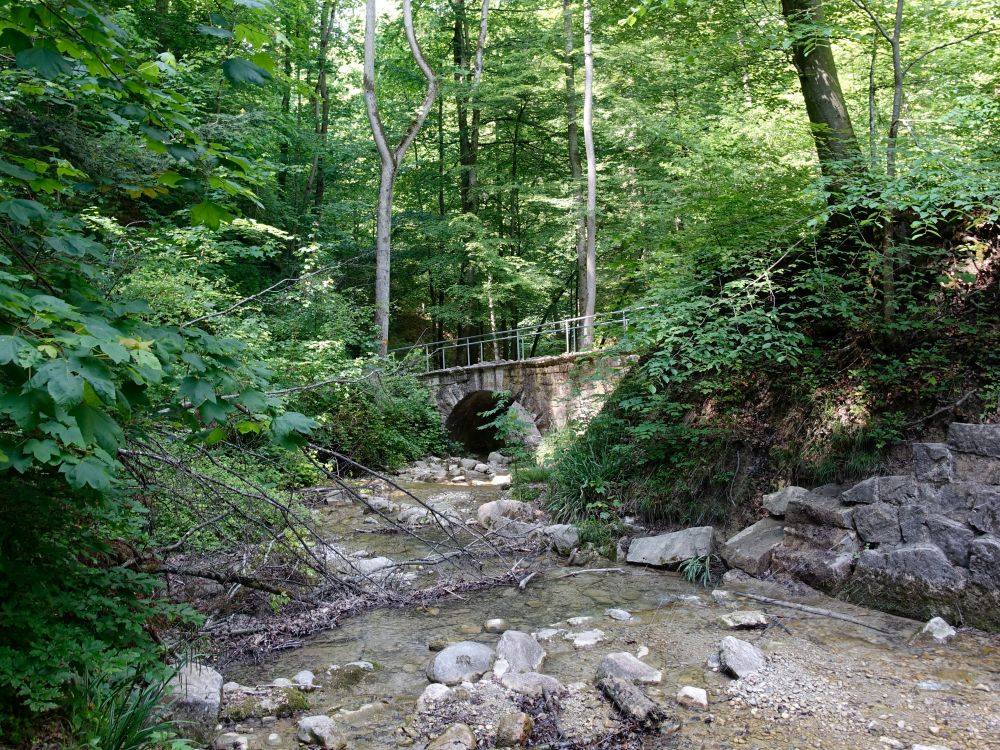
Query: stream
(828, 683)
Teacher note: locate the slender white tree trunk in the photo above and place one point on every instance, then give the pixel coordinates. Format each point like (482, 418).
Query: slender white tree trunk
(587, 340)
(389, 157)
(573, 142)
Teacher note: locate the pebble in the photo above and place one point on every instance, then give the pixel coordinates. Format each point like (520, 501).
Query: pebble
(496, 625)
(693, 697)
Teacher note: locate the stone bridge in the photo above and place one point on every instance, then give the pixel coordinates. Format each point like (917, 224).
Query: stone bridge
(546, 392)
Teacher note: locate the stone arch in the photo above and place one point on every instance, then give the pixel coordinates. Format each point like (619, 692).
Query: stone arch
(466, 424)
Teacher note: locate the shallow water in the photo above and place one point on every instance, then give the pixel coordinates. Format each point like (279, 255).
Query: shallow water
(841, 678)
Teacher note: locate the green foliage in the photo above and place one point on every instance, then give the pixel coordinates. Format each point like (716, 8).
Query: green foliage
(121, 712)
(384, 421)
(698, 570)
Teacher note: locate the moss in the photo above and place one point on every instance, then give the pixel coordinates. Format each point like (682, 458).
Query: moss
(280, 702)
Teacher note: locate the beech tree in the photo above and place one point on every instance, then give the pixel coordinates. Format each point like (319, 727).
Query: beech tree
(390, 157)
(590, 266)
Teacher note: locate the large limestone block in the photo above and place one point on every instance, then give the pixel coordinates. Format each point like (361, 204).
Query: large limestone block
(820, 511)
(981, 439)
(673, 548)
(776, 502)
(952, 537)
(932, 462)
(972, 468)
(822, 556)
(750, 550)
(921, 563)
(878, 523)
(984, 562)
(196, 698)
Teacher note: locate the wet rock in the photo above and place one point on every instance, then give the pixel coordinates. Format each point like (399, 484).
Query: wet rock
(282, 682)
(232, 687)
(929, 747)
(231, 741)
(455, 737)
(514, 729)
(196, 692)
(626, 667)
(322, 731)
(671, 549)
(349, 674)
(751, 549)
(460, 662)
(939, 630)
(744, 619)
(532, 684)
(498, 459)
(740, 658)
(693, 697)
(819, 510)
(575, 622)
(373, 565)
(878, 523)
(496, 625)
(493, 512)
(980, 439)
(776, 502)
(562, 537)
(305, 679)
(546, 634)
(261, 702)
(618, 614)
(585, 638)
(721, 596)
(521, 651)
(932, 462)
(274, 739)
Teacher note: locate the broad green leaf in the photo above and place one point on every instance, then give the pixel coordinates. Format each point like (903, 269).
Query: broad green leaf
(215, 31)
(49, 63)
(23, 211)
(210, 214)
(17, 350)
(90, 472)
(197, 391)
(15, 171)
(244, 71)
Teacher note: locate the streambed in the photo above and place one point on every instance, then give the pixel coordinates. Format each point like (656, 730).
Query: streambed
(829, 684)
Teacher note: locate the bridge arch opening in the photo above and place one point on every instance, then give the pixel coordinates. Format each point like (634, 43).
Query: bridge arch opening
(466, 424)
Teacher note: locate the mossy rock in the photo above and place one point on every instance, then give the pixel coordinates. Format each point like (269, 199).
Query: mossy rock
(258, 703)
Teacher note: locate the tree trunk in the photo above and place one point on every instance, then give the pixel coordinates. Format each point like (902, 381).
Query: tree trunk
(590, 292)
(390, 157)
(477, 74)
(575, 171)
(833, 133)
(316, 183)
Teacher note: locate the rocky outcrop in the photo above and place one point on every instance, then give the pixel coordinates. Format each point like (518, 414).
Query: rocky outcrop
(922, 544)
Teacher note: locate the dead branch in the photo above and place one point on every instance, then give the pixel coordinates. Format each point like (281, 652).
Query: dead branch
(813, 611)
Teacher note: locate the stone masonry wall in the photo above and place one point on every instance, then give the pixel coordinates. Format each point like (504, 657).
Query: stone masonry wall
(921, 545)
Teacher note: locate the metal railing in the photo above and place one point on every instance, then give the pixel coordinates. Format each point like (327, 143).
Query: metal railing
(526, 342)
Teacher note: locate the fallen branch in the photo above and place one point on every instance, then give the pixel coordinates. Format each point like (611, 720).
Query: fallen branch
(523, 583)
(813, 611)
(943, 410)
(592, 570)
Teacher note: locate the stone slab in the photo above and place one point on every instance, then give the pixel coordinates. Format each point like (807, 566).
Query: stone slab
(750, 550)
(671, 549)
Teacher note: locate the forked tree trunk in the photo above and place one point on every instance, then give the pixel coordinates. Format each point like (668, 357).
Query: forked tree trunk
(590, 294)
(390, 157)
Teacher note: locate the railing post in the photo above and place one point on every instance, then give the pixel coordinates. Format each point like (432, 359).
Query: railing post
(444, 364)
(566, 326)
(427, 359)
